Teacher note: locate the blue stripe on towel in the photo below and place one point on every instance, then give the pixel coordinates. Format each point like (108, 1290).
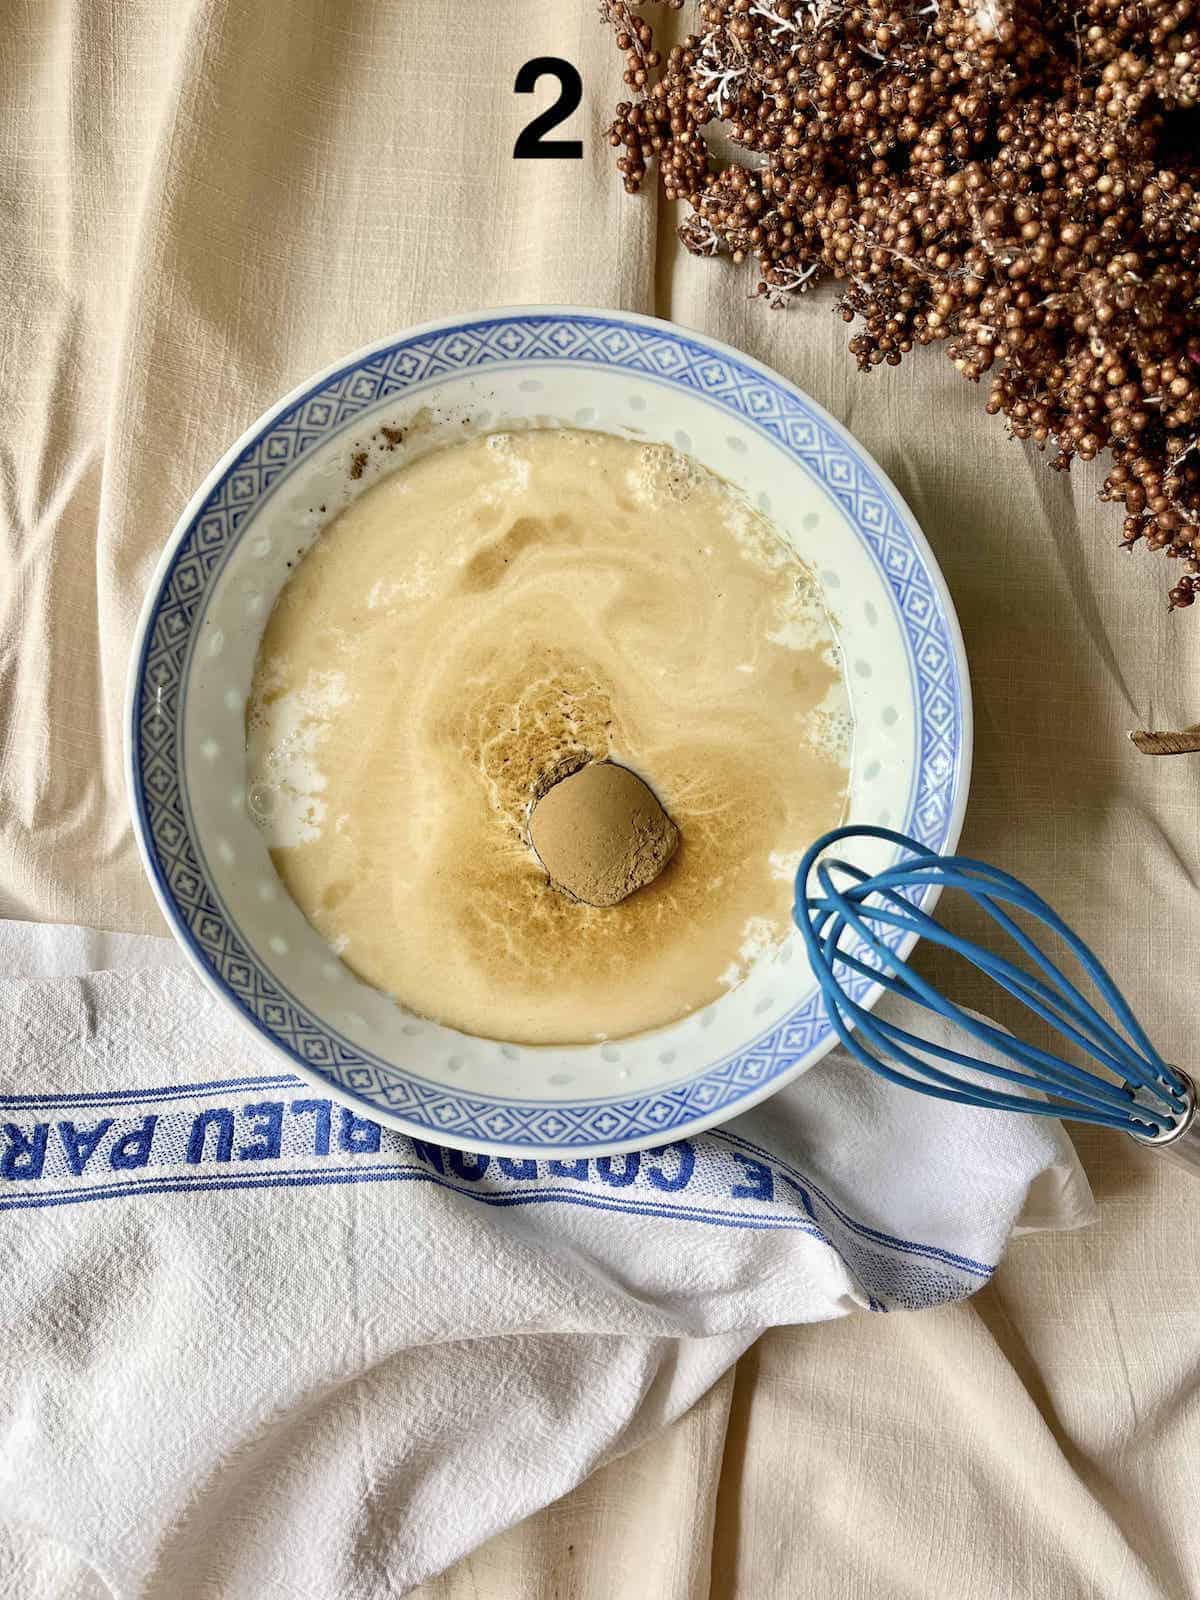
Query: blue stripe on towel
(132, 1143)
(167, 1091)
(791, 1174)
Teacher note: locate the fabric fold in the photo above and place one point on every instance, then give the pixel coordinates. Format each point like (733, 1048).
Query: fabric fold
(234, 1301)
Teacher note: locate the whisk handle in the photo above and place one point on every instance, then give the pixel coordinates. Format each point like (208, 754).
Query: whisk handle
(1180, 1143)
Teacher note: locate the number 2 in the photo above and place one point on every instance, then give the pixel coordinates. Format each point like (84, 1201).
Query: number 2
(530, 145)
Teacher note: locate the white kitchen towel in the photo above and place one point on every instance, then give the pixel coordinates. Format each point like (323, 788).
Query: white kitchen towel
(252, 1345)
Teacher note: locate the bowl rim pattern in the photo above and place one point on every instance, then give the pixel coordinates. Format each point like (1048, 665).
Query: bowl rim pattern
(644, 347)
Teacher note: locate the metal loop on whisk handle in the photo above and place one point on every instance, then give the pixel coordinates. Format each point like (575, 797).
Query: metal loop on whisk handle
(858, 927)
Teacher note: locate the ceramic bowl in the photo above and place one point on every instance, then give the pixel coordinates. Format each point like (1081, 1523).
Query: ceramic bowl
(217, 581)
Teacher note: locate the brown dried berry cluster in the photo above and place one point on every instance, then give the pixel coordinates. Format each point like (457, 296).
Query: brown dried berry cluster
(1019, 180)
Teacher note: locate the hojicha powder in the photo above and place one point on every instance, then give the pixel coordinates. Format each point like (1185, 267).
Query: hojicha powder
(601, 834)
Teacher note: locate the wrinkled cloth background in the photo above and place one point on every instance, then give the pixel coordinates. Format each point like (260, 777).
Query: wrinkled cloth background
(205, 200)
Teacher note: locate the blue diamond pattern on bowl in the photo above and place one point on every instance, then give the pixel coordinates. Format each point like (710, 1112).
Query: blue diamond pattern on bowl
(748, 394)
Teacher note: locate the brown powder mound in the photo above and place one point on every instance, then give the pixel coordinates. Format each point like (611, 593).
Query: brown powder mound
(601, 834)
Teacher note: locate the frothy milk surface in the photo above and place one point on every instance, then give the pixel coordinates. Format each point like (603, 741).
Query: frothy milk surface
(479, 617)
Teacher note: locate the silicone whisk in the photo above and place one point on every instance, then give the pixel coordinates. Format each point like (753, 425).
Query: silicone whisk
(856, 926)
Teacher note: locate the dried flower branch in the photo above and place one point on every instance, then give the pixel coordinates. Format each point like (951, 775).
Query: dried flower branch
(1017, 180)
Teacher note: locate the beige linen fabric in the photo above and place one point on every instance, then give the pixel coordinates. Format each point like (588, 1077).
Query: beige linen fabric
(205, 200)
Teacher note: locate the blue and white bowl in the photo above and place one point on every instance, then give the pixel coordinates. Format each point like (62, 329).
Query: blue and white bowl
(214, 589)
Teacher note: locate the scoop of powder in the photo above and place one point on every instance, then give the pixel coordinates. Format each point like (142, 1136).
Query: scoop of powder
(601, 834)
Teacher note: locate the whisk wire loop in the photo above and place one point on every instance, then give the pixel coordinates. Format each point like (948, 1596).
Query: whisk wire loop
(853, 928)
(940, 1085)
(1028, 899)
(1055, 1073)
(958, 872)
(1037, 996)
(922, 991)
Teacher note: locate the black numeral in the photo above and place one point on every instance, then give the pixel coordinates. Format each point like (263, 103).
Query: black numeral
(531, 145)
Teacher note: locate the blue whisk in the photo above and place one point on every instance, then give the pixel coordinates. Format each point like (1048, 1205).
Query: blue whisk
(854, 924)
